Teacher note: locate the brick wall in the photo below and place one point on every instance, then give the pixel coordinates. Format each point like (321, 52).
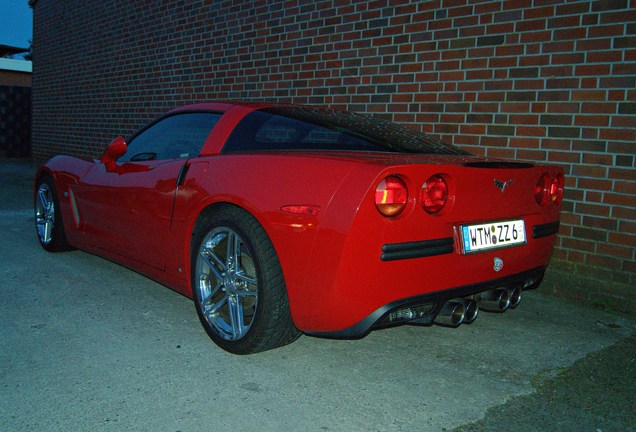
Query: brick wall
(541, 80)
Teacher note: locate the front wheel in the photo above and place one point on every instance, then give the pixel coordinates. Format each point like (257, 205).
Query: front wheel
(48, 217)
(238, 286)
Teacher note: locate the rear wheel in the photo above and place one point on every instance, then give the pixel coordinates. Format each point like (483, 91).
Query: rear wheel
(48, 218)
(238, 286)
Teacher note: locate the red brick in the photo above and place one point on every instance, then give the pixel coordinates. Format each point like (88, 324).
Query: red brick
(534, 155)
(532, 131)
(567, 21)
(524, 142)
(503, 153)
(593, 44)
(626, 187)
(589, 95)
(598, 108)
(622, 173)
(578, 244)
(624, 121)
(594, 184)
(558, 47)
(494, 141)
(603, 261)
(539, 12)
(524, 119)
(475, 149)
(531, 25)
(529, 84)
(573, 8)
(564, 157)
(605, 30)
(485, 107)
(623, 237)
(604, 56)
(624, 213)
(568, 58)
(619, 199)
(539, 36)
(622, 252)
(591, 120)
(483, 8)
(555, 144)
(590, 171)
(619, 17)
(618, 134)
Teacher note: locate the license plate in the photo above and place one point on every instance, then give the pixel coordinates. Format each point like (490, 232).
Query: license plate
(493, 235)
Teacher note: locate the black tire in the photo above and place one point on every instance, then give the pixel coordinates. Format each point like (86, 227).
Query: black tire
(48, 216)
(239, 291)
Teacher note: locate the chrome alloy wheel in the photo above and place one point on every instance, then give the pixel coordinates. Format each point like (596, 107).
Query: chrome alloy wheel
(45, 213)
(226, 283)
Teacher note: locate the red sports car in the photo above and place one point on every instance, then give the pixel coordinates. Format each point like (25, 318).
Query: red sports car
(279, 220)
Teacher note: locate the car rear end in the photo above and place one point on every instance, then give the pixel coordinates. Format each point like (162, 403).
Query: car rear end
(434, 238)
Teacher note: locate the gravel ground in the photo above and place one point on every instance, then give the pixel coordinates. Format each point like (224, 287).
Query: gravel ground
(597, 393)
(88, 345)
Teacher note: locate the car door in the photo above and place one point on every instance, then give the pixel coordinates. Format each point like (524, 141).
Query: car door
(126, 207)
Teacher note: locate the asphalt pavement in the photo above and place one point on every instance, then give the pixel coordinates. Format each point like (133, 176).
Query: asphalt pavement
(88, 345)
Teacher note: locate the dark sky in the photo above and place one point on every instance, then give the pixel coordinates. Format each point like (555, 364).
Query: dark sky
(16, 23)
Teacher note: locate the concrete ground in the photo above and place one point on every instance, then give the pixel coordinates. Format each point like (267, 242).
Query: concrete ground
(89, 345)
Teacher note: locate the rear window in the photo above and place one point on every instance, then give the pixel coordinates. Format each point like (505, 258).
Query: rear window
(309, 128)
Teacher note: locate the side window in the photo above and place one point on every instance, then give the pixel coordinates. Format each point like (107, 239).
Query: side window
(264, 131)
(176, 136)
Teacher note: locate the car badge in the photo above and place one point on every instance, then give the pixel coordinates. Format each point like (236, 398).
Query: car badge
(498, 264)
(502, 185)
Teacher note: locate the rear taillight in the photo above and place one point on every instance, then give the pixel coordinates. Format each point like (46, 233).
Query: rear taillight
(434, 194)
(391, 196)
(549, 189)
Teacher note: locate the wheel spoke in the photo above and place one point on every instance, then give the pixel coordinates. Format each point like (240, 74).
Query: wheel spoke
(231, 251)
(48, 231)
(210, 307)
(249, 280)
(43, 199)
(212, 261)
(206, 300)
(247, 292)
(236, 317)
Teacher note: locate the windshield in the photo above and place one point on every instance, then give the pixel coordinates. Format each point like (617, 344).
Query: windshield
(310, 128)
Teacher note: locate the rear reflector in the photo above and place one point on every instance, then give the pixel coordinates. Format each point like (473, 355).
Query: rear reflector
(391, 196)
(306, 210)
(560, 180)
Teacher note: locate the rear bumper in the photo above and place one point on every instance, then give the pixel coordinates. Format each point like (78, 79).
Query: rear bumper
(433, 302)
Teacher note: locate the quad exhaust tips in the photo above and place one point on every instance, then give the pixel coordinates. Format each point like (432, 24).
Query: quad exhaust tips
(465, 310)
(457, 311)
(499, 300)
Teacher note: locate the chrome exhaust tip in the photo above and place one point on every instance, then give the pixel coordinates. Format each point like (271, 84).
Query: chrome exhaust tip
(452, 314)
(471, 311)
(497, 300)
(515, 296)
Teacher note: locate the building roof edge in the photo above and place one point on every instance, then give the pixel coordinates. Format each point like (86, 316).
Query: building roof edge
(16, 65)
